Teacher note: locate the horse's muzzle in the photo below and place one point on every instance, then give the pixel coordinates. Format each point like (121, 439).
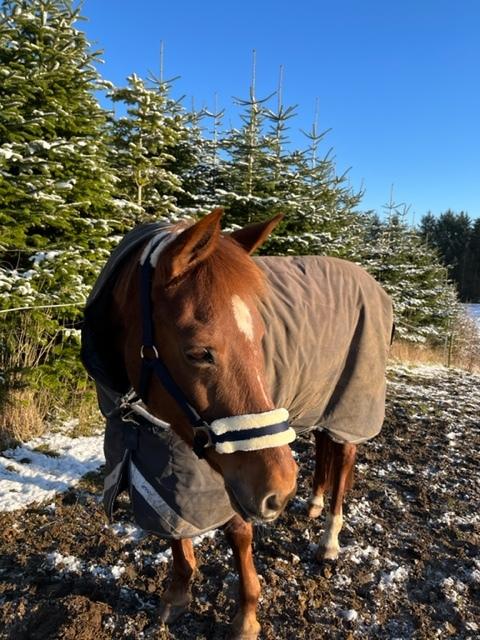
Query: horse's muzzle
(265, 509)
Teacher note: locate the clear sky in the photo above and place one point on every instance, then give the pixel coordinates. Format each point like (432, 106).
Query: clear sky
(397, 81)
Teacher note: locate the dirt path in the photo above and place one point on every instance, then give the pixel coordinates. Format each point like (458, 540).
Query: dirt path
(410, 566)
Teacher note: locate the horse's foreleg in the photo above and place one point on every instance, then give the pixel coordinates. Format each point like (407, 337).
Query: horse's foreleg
(343, 462)
(239, 535)
(323, 459)
(177, 596)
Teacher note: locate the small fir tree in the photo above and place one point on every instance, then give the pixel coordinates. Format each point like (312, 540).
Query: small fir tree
(153, 148)
(424, 300)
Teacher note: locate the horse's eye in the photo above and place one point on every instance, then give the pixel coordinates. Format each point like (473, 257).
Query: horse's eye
(200, 355)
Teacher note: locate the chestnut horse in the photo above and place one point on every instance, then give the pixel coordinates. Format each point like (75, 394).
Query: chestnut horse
(198, 362)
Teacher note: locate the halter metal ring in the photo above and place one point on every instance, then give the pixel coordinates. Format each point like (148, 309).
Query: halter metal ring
(152, 347)
(202, 439)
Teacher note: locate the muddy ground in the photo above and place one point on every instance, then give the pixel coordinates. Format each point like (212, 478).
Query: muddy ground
(410, 565)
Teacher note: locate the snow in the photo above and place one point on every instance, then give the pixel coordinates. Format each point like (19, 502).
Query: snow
(29, 476)
(393, 578)
(350, 615)
(474, 311)
(63, 563)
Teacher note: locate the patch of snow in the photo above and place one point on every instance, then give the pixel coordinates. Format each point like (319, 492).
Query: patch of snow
(40, 256)
(393, 578)
(357, 554)
(66, 564)
(453, 589)
(473, 311)
(127, 531)
(29, 476)
(106, 572)
(350, 615)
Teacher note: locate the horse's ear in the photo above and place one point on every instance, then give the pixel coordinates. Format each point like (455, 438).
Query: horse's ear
(193, 245)
(253, 236)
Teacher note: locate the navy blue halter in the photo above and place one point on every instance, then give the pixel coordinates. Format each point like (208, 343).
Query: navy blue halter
(151, 363)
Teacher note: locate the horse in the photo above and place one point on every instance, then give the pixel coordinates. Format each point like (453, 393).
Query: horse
(203, 334)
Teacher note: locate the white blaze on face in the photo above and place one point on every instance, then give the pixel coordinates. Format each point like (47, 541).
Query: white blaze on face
(243, 317)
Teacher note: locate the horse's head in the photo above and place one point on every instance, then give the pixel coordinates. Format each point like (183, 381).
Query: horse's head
(208, 332)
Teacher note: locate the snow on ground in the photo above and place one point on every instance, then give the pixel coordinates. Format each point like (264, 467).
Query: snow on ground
(44, 466)
(474, 311)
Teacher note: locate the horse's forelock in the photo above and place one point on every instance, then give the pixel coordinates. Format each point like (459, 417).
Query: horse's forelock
(228, 271)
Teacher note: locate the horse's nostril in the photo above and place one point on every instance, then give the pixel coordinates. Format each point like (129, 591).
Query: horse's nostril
(271, 504)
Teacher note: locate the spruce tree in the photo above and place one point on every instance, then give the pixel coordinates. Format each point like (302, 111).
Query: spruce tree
(473, 281)
(153, 148)
(257, 173)
(451, 234)
(58, 221)
(424, 300)
(56, 211)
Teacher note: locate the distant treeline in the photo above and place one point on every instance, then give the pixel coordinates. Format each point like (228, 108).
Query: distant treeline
(456, 237)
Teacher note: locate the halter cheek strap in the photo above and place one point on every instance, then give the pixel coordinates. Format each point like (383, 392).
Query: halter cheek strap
(236, 433)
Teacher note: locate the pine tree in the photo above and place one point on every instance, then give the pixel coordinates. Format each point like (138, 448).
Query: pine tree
(58, 221)
(154, 148)
(424, 300)
(55, 183)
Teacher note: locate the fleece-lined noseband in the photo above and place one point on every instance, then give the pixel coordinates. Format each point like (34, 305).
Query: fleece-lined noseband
(236, 433)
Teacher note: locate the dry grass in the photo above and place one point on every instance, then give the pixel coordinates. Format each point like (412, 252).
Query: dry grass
(30, 404)
(28, 414)
(413, 353)
(461, 349)
(83, 413)
(21, 418)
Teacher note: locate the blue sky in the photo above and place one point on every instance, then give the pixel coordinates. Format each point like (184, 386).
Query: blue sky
(398, 82)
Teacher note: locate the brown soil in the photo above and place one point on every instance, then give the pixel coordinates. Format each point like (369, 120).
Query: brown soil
(410, 566)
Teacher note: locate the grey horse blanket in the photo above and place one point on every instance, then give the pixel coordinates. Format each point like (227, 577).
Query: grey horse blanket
(328, 330)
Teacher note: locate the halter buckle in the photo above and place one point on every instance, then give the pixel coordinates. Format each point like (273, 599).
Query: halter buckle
(149, 346)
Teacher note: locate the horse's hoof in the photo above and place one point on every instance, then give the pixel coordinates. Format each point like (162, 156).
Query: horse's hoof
(329, 554)
(170, 613)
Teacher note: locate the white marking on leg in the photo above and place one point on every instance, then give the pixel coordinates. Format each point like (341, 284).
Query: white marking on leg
(318, 501)
(329, 541)
(315, 508)
(243, 317)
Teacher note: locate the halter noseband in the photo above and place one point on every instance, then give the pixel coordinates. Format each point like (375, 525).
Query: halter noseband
(227, 435)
